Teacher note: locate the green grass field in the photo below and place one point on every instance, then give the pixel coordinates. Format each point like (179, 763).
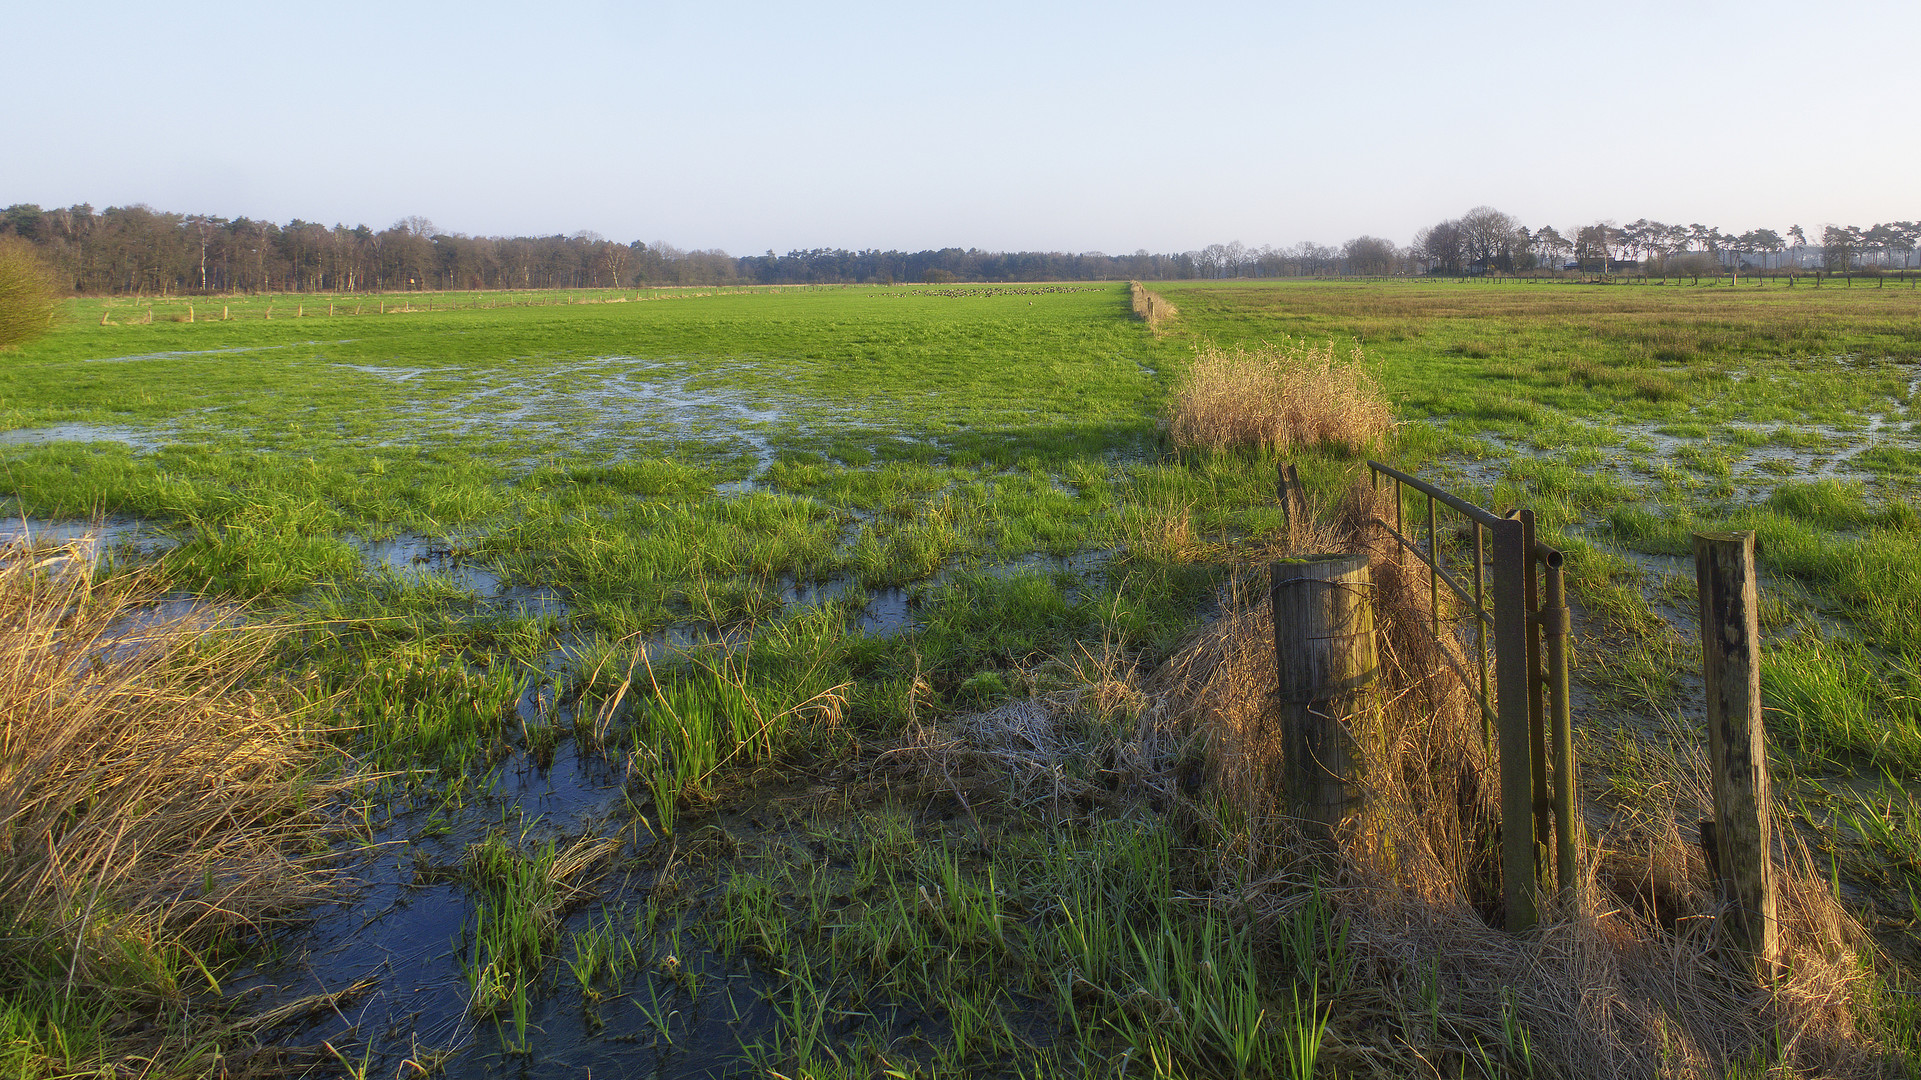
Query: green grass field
(692, 555)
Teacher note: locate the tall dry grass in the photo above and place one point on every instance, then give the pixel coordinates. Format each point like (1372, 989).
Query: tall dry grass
(1278, 397)
(1623, 981)
(155, 791)
(28, 307)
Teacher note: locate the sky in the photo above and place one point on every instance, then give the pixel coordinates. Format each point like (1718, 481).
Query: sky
(1005, 126)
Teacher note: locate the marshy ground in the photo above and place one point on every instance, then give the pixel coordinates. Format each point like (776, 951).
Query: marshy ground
(779, 680)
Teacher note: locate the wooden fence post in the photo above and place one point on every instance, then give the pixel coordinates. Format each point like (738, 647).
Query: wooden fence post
(1293, 502)
(1742, 836)
(1324, 652)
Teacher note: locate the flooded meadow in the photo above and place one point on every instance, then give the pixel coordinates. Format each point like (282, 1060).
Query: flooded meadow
(770, 683)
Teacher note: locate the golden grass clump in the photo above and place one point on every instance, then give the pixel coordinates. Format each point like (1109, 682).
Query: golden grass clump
(1621, 982)
(27, 293)
(1278, 397)
(155, 791)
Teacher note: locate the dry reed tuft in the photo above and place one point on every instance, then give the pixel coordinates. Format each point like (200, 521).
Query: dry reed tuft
(154, 787)
(1278, 397)
(28, 307)
(1623, 981)
(1152, 308)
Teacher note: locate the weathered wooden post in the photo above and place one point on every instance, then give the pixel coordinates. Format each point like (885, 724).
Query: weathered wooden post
(1293, 502)
(1324, 652)
(1742, 837)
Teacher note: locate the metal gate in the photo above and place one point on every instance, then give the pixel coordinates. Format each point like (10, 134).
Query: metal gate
(1522, 702)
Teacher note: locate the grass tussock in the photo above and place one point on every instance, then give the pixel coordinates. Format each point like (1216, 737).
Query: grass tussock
(1622, 980)
(1151, 307)
(155, 796)
(1278, 397)
(27, 305)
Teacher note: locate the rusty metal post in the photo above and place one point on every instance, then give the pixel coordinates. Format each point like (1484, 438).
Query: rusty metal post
(1480, 628)
(1325, 658)
(1536, 694)
(1737, 749)
(1433, 571)
(1512, 557)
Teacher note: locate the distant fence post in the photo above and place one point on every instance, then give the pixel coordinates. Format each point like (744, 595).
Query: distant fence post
(1293, 502)
(1324, 653)
(1741, 840)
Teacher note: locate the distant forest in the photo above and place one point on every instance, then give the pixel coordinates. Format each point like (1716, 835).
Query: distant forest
(137, 249)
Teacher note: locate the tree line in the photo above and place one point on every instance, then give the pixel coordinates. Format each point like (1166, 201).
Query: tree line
(137, 249)
(1485, 240)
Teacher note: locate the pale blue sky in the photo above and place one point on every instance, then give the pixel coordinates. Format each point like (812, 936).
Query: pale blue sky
(1037, 125)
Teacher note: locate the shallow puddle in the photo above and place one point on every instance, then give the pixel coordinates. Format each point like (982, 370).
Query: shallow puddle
(679, 1009)
(1647, 458)
(887, 611)
(396, 374)
(94, 539)
(146, 441)
(606, 406)
(415, 559)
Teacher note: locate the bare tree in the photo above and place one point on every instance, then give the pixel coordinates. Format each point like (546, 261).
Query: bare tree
(1370, 255)
(1490, 237)
(1442, 246)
